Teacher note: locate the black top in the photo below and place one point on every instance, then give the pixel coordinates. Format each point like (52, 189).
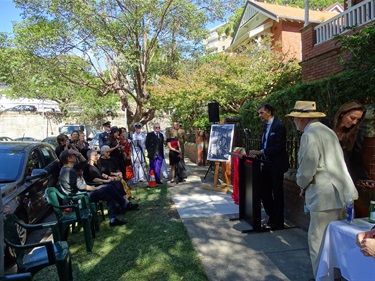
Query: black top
(59, 149)
(107, 166)
(91, 173)
(353, 159)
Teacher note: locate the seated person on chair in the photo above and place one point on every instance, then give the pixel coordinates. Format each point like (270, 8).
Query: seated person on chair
(107, 165)
(72, 182)
(92, 174)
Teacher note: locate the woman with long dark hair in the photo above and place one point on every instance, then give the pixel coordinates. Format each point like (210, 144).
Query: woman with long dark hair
(346, 124)
(115, 149)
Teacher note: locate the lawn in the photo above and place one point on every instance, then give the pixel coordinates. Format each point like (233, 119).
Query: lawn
(153, 245)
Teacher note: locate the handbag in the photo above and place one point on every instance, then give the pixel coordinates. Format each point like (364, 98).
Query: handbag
(181, 170)
(129, 172)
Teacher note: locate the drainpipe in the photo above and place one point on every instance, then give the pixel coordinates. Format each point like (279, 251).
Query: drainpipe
(306, 13)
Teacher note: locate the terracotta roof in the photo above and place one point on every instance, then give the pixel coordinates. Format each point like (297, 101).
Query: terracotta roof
(293, 13)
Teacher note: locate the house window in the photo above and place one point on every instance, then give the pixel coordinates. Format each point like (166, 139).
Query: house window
(223, 48)
(223, 38)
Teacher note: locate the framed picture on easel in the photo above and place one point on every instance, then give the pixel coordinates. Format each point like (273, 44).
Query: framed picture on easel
(220, 143)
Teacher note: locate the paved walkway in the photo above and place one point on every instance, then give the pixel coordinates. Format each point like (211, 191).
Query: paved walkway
(227, 253)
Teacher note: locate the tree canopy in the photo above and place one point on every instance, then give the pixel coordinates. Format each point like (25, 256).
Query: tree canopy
(230, 79)
(113, 47)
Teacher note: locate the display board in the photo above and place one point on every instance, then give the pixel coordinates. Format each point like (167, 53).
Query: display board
(220, 144)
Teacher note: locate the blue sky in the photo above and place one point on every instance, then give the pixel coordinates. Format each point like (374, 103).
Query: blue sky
(8, 14)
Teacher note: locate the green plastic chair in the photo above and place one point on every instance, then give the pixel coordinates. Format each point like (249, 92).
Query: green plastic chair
(74, 215)
(44, 253)
(94, 206)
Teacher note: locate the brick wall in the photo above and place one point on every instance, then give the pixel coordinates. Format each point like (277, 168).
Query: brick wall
(321, 60)
(291, 38)
(287, 38)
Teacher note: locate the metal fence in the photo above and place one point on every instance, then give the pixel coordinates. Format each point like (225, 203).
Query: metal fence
(243, 138)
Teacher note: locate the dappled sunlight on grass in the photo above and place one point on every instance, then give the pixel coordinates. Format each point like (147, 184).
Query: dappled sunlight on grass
(153, 245)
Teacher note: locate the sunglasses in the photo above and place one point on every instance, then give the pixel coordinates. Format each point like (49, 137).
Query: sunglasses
(157, 127)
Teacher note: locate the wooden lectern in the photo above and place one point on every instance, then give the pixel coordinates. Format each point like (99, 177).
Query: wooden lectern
(250, 208)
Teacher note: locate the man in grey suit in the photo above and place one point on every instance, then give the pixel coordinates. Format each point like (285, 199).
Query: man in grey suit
(322, 174)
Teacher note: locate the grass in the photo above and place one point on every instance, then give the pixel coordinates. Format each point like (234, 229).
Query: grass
(153, 245)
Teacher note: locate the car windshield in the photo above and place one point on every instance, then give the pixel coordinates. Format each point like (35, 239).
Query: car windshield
(11, 165)
(66, 130)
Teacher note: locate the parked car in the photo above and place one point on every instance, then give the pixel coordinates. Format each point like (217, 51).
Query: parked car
(26, 139)
(52, 141)
(88, 130)
(6, 139)
(26, 170)
(94, 143)
(22, 107)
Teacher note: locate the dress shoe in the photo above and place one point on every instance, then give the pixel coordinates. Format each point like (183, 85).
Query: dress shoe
(159, 182)
(132, 207)
(117, 222)
(277, 226)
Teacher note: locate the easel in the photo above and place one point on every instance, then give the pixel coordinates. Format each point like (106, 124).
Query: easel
(216, 187)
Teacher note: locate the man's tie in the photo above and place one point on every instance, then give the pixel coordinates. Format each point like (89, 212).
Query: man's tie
(264, 134)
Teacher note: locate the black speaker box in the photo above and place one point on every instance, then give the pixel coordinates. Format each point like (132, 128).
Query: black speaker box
(213, 112)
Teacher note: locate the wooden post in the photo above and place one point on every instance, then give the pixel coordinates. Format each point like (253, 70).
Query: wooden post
(216, 175)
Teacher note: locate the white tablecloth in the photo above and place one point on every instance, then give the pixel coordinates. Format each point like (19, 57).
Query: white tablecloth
(341, 251)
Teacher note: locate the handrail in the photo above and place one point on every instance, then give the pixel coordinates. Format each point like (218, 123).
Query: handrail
(357, 15)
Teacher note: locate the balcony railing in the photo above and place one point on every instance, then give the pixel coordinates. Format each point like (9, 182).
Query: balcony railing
(358, 15)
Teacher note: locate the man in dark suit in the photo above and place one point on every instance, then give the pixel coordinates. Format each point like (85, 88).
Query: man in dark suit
(273, 149)
(154, 145)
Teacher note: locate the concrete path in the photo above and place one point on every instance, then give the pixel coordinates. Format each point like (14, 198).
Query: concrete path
(227, 253)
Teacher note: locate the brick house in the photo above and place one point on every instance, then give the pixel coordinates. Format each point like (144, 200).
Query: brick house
(282, 22)
(320, 53)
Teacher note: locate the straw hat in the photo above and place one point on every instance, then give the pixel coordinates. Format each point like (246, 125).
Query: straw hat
(305, 109)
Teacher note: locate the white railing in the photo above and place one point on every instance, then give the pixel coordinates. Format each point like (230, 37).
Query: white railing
(358, 15)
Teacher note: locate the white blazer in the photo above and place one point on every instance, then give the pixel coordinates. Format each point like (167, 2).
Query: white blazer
(322, 169)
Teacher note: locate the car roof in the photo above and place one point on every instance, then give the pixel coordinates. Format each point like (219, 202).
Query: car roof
(19, 145)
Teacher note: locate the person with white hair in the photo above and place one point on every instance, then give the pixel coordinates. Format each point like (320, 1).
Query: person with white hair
(107, 164)
(322, 174)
